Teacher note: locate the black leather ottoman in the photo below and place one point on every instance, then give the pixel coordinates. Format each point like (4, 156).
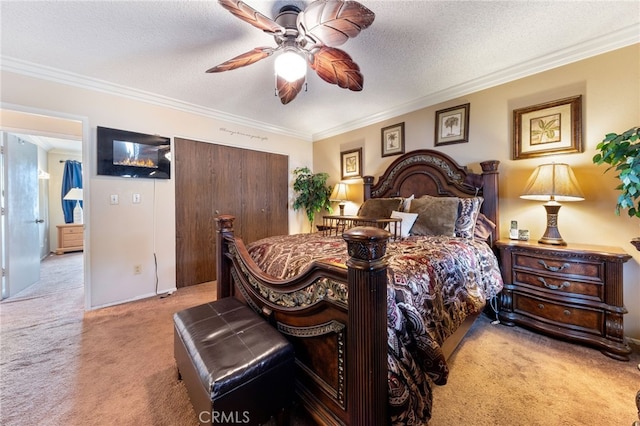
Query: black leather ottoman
(236, 367)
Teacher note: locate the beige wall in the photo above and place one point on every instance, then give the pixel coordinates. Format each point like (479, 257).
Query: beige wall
(128, 234)
(610, 87)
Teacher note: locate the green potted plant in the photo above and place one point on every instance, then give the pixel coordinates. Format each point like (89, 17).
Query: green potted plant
(622, 153)
(313, 193)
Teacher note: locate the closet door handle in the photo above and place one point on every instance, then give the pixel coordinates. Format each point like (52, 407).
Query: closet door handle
(39, 220)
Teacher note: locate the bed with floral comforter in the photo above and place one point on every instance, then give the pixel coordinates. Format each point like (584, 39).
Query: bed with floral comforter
(434, 283)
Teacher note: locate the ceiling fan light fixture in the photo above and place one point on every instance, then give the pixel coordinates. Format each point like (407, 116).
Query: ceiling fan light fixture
(290, 65)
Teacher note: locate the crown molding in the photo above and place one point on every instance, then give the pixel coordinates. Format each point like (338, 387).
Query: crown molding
(56, 75)
(620, 38)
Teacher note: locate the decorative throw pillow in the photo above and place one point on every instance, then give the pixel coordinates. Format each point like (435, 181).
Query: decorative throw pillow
(408, 220)
(436, 215)
(484, 228)
(379, 208)
(468, 211)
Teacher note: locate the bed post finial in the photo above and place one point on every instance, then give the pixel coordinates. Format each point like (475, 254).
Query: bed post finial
(367, 325)
(224, 230)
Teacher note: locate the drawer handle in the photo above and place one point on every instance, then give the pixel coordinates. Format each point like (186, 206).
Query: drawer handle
(553, 268)
(565, 284)
(540, 306)
(567, 312)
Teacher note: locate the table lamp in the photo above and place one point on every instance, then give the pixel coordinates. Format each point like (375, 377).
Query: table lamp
(340, 194)
(552, 183)
(75, 194)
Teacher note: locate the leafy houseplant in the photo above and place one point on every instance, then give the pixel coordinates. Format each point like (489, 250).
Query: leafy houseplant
(313, 193)
(622, 153)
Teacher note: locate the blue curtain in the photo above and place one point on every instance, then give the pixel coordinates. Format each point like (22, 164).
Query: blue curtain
(71, 178)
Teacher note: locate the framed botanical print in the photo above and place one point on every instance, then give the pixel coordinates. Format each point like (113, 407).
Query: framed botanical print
(452, 125)
(549, 128)
(393, 140)
(351, 163)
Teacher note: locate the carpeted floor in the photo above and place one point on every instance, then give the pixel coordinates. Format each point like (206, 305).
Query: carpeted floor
(62, 366)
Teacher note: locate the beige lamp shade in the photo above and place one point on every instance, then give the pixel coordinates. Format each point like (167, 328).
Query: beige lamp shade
(554, 181)
(340, 194)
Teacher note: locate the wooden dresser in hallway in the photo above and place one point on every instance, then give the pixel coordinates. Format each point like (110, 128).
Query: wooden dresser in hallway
(70, 238)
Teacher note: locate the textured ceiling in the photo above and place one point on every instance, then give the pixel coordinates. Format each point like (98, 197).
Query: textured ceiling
(416, 53)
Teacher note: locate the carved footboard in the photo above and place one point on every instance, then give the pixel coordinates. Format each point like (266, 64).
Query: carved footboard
(341, 347)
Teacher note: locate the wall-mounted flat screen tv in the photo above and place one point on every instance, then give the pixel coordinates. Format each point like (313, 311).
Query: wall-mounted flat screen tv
(130, 154)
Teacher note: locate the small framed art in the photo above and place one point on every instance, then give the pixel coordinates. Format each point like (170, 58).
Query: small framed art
(393, 140)
(549, 128)
(452, 125)
(351, 163)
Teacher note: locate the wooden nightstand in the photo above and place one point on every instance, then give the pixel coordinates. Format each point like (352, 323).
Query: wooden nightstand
(573, 292)
(70, 238)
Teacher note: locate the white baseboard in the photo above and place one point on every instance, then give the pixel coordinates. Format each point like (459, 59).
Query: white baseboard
(142, 296)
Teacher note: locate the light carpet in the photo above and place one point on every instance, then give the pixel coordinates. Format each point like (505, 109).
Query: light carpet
(60, 365)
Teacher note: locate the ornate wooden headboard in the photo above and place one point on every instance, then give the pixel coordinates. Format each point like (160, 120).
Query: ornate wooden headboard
(429, 172)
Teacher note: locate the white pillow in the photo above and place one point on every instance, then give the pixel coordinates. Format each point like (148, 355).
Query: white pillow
(407, 222)
(406, 203)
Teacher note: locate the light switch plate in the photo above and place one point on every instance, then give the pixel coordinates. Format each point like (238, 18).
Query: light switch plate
(113, 199)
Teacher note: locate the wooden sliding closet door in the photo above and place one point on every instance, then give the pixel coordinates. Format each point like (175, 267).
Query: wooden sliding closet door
(264, 183)
(215, 179)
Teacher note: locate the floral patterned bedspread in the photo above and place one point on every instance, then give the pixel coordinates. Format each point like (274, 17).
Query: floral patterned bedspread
(434, 283)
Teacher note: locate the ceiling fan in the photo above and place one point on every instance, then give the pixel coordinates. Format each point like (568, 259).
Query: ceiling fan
(308, 36)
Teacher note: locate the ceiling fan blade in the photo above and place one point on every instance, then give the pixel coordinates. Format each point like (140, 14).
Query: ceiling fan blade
(333, 22)
(288, 90)
(335, 66)
(243, 60)
(252, 16)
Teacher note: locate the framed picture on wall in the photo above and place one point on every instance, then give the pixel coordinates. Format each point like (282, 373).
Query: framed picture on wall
(393, 140)
(452, 125)
(351, 163)
(549, 128)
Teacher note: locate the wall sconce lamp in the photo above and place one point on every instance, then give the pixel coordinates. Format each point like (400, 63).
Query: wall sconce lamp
(552, 183)
(75, 194)
(340, 194)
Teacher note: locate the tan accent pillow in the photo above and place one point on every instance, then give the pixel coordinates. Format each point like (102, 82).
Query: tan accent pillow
(484, 228)
(436, 215)
(379, 208)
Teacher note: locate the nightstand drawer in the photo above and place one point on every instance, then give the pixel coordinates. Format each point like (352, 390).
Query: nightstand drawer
(72, 240)
(561, 285)
(592, 270)
(74, 230)
(562, 315)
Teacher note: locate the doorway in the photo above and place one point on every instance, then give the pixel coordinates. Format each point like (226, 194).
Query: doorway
(54, 139)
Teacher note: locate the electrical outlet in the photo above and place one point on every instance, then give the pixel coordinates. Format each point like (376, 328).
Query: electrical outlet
(137, 269)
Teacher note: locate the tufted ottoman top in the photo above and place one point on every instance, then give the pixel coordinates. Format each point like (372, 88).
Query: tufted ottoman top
(230, 344)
